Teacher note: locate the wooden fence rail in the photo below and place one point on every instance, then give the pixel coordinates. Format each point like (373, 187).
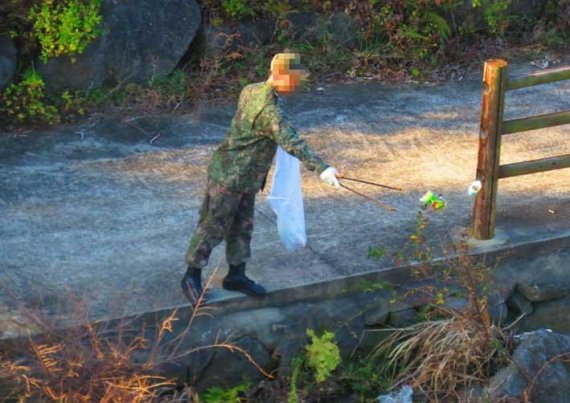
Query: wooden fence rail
(495, 84)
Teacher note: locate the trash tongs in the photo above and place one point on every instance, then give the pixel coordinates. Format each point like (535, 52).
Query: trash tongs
(384, 206)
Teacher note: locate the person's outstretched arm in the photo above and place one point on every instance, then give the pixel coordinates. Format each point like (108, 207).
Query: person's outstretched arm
(273, 122)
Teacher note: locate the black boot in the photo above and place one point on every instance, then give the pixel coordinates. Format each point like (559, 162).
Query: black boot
(192, 285)
(236, 280)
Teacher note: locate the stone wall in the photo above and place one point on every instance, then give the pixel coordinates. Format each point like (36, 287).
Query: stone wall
(530, 286)
(533, 282)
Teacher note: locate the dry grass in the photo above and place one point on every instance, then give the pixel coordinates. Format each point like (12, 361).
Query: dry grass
(80, 366)
(439, 356)
(452, 348)
(96, 363)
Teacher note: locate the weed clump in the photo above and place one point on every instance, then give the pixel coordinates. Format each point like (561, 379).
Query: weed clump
(323, 355)
(27, 102)
(440, 356)
(321, 358)
(119, 362)
(80, 366)
(449, 348)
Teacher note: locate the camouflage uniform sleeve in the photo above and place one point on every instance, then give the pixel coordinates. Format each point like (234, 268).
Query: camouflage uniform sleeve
(273, 122)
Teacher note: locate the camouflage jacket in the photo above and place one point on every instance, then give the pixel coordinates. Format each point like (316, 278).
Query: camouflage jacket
(242, 160)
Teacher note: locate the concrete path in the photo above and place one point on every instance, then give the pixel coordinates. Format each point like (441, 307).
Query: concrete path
(106, 209)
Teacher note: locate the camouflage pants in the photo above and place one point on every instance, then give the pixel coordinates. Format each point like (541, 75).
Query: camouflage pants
(224, 215)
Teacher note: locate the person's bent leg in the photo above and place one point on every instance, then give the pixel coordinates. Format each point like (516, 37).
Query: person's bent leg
(217, 215)
(238, 249)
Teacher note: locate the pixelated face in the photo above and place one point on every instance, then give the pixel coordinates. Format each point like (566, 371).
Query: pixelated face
(287, 72)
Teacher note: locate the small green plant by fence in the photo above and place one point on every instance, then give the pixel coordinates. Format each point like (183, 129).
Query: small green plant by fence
(495, 84)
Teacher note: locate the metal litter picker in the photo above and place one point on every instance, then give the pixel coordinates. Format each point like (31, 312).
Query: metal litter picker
(380, 204)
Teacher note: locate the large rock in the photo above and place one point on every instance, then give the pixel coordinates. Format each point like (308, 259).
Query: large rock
(520, 304)
(345, 29)
(539, 291)
(551, 314)
(305, 26)
(255, 32)
(534, 360)
(227, 361)
(214, 41)
(141, 39)
(8, 61)
(544, 278)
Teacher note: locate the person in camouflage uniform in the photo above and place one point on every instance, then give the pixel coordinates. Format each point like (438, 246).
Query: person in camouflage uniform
(238, 170)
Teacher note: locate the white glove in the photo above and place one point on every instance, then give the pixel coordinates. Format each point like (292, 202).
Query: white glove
(329, 177)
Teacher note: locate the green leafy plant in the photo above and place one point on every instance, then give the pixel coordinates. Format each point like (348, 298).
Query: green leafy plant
(241, 9)
(238, 9)
(323, 354)
(495, 13)
(322, 357)
(278, 8)
(25, 102)
(412, 30)
(553, 28)
(71, 103)
(171, 90)
(419, 250)
(377, 252)
(65, 27)
(297, 365)
(232, 395)
(363, 377)
(322, 55)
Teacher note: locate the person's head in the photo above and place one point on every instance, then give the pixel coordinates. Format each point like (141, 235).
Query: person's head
(286, 73)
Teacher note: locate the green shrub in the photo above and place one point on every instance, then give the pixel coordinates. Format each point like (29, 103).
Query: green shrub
(553, 29)
(323, 354)
(278, 8)
(322, 357)
(240, 9)
(495, 13)
(412, 30)
(65, 27)
(364, 378)
(171, 90)
(232, 395)
(25, 102)
(72, 103)
(376, 252)
(237, 9)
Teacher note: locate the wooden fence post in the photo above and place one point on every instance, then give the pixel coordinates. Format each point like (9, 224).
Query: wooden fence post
(495, 79)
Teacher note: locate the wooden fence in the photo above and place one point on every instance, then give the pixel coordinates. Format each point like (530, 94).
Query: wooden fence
(495, 84)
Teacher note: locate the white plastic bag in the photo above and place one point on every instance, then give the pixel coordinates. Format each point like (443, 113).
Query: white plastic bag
(286, 200)
(404, 396)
